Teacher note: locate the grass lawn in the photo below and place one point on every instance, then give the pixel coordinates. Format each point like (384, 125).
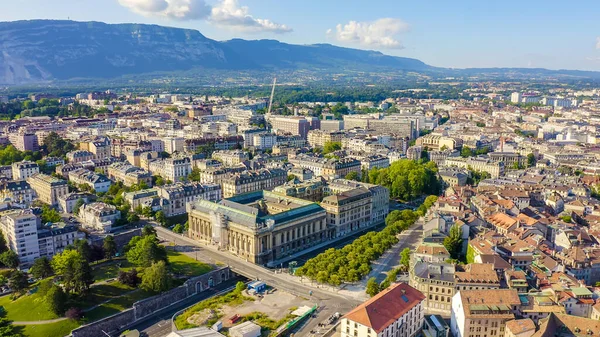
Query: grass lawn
(101, 293)
(110, 269)
(184, 265)
(27, 308)
(117, 305)
(61, 328)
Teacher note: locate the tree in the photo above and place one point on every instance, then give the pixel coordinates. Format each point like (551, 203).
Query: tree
(74, 313)
(531, 160)
(329, 147)
(129, 278)
(178, 229)
(466, 152)
(83, 247)
(156, 278)
(3, 246)
(56, 300)
(148, 230)
(133, 218)
(10, 259)
(74, 270)
(405, 258)
(110, 247)
(17, 281)
(82, 275)
(6, 327)
(239, 287)
(566, 218)
(50, 215)
(195, 175)
(453, 242)
(41, 268)
(161, 218)
(186, 226)
(146, 251)
(372, 287)
(80, 202)
(352, 176)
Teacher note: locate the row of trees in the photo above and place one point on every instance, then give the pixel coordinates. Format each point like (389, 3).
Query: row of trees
(353, 262)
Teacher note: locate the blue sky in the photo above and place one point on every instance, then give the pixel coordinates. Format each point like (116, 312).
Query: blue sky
(462, 33)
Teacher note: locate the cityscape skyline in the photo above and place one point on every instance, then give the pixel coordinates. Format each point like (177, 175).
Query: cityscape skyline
(465, 35)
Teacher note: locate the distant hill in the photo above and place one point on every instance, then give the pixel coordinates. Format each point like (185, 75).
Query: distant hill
(38, 50)
(49, 50)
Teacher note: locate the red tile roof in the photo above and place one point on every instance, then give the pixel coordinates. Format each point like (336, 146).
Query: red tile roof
(386, 307)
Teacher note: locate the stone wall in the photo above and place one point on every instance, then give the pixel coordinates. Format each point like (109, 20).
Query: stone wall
(112, 325)
(121, 238)
(142, 309)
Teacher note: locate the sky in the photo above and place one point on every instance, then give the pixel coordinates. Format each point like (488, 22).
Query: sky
(456, 34)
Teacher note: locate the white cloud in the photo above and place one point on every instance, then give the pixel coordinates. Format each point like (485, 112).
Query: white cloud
(226, 13)
(598, 43)
(230, 14)
(382, 33)
(172, 9)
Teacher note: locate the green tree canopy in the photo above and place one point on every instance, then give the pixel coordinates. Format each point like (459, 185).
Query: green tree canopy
(146, 251)
(41, 268)
(156, 278)
(329, 147)
(57, 300)
(10, 259)
(372, 287)
(453, 242)
(18, 281)
(110, 247)
(352, 176)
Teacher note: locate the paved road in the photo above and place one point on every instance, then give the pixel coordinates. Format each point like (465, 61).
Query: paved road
(391, 259)
(328, 300)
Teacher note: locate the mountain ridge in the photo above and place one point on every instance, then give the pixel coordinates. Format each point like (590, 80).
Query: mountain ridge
(38, 51)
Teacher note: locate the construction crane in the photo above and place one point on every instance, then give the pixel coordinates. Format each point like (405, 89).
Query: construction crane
(272, 94)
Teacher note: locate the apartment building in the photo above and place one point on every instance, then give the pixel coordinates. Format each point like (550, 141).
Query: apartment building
(326, 167)
(483, 312)
(348, 211)
(141, 198)
(173, 169)
(129, 174)
(380, 196)
(48, 188)
(231, 157)
(382, 124)
(395, 311)
(299, 126)
(481, 163)
(250, 181)
(437, 142)
(79, 156)
(20, 233)
(174, 144)
(24, 169)
(97, 182)
(260, 226)
(55, 238)
(100, 148)
(24, 141)
(318, 138)
(176, 196)
(98, 216)
(67, 202)
(19, 192)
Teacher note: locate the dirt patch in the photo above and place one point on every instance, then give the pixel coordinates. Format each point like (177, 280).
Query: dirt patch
(276, 305)
(202, 317)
